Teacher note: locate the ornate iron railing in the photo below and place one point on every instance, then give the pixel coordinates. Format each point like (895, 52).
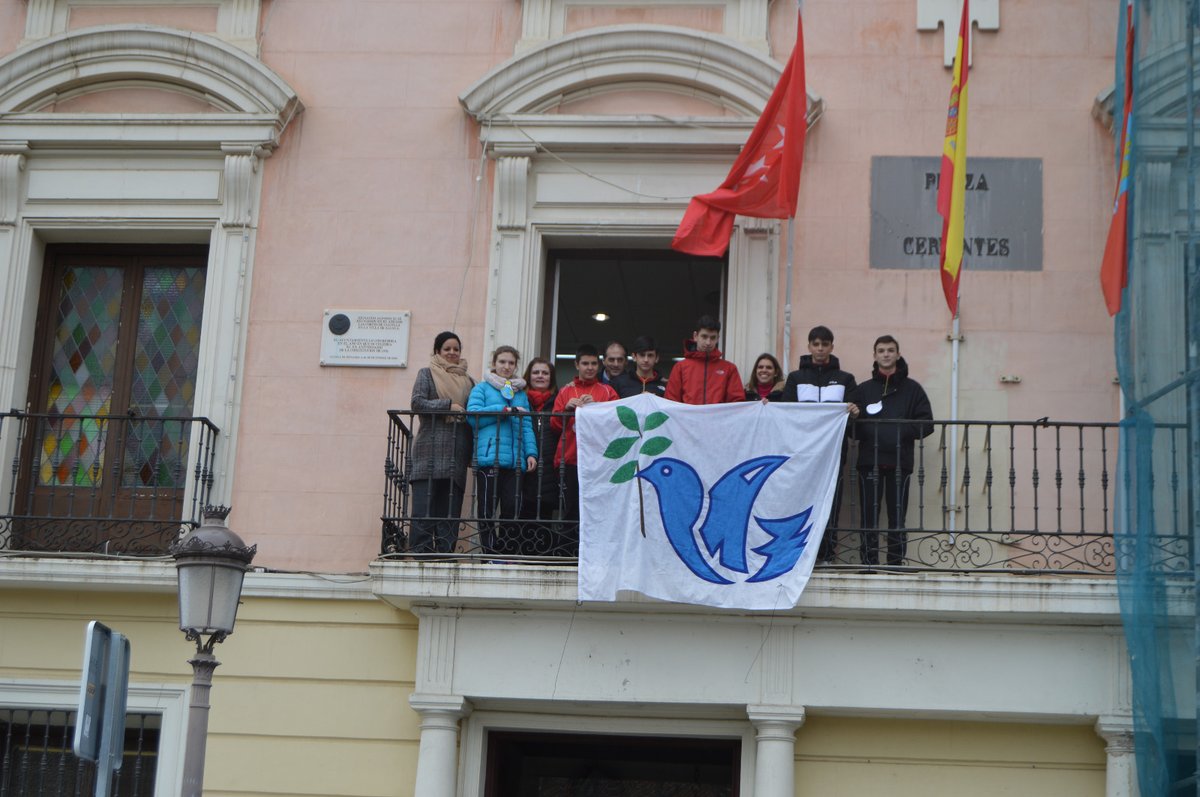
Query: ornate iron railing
(36, 757)
(981, 495)
(102, 483)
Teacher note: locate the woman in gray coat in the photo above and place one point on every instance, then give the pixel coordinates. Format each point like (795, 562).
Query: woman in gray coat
(442, 448)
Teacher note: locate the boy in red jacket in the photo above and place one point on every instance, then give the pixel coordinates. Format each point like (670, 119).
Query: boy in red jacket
(704, 376)
(584, 389)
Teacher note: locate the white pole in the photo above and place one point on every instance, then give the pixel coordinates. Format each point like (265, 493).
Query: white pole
(951, 485)
(787, 297)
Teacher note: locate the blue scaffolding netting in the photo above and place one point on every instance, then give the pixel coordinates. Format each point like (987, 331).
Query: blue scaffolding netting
(1157, 352)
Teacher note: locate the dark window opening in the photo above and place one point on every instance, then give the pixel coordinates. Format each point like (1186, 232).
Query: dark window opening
(36, 757)
(579, 765)
(656, 292)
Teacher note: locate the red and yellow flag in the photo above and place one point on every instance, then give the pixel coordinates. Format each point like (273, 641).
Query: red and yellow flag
(1114, 268)
(952, 185)
(764, 181)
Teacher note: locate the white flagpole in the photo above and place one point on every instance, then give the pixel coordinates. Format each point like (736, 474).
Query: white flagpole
(787, 297)
(951, 485)
(791, 251)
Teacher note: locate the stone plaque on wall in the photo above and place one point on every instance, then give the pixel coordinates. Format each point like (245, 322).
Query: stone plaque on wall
(370, 338)
(1003, 214)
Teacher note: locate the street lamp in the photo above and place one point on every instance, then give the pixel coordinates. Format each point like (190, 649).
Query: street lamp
(211, 562)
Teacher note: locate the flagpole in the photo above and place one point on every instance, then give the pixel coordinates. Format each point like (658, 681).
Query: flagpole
(787, 296)
(951, 486)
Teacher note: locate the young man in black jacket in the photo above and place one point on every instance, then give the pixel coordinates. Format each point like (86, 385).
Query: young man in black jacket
(644, 378)
(885, 450)
(820, 378)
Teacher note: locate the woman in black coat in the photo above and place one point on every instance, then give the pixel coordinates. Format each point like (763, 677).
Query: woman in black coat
(441, 451)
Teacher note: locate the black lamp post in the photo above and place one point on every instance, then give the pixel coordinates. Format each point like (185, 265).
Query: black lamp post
(211, 562)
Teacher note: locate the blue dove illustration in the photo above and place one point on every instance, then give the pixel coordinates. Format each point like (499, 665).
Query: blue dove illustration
(680, 493)
(788, 536)
(729, 503)
(681, 496)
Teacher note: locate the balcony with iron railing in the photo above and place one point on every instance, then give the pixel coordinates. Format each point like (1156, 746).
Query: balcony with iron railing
(1001, 496)
(102, 483)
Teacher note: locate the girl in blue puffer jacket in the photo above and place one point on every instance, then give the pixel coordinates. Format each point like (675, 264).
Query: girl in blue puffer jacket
(505, 447)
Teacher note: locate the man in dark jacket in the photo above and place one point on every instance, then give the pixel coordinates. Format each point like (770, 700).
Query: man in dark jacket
(704, 376)
(885, 447)
(820, 378)
(644, 378)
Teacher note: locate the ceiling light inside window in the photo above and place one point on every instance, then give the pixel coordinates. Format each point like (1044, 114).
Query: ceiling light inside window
(600, 316)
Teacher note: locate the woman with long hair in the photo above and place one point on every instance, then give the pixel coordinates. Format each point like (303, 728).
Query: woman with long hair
(539, 488)
(766, 380)
(437, 471)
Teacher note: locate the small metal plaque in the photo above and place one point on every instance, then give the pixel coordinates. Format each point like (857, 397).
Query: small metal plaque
(366, 338)
(1003, 214)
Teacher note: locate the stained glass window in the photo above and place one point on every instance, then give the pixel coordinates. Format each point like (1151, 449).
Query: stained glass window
(164, 375)
(82, 374)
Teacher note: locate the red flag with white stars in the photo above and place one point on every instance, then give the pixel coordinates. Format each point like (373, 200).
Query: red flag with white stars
(765, 179)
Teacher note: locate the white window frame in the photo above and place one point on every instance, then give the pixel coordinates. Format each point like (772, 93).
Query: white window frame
(137, 178)
(169, 701)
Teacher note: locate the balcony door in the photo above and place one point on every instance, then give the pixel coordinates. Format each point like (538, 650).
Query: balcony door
(598, 295)
(105, 450)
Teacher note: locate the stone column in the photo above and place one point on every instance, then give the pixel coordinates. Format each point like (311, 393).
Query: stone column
(751, 295)
(437, 761)
(1117, 732)
(17, 296)
(775, 750)
(514, 289)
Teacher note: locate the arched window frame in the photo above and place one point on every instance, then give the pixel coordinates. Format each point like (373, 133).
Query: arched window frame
(62, 178)
(514, 105)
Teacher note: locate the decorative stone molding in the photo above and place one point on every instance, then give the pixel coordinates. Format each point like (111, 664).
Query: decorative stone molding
(544, 20)
(1119, 770)
(241, 165)
(237, 20)
(435, 649)
(775, 748)
(192, 63)
(718, 70)
(437, 760)
(776, 722)
(948, 14)
(512, 182)
(777, 660)
(12, 162)
(439, 710)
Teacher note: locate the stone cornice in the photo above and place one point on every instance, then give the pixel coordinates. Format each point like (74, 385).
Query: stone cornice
(1049, 598)
(659, 57)
(194, 63)
(635, 135)
(89, 574)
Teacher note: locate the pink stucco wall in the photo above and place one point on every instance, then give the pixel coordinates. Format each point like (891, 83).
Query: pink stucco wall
(368, 204)
(372, 202)
(199, 18)
(1031, 91)
(12, 25)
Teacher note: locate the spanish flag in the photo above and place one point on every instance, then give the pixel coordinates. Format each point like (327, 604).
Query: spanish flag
(952, 185)
(1114, 268)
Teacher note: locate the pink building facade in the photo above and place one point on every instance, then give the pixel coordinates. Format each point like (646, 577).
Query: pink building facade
(450, 165)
